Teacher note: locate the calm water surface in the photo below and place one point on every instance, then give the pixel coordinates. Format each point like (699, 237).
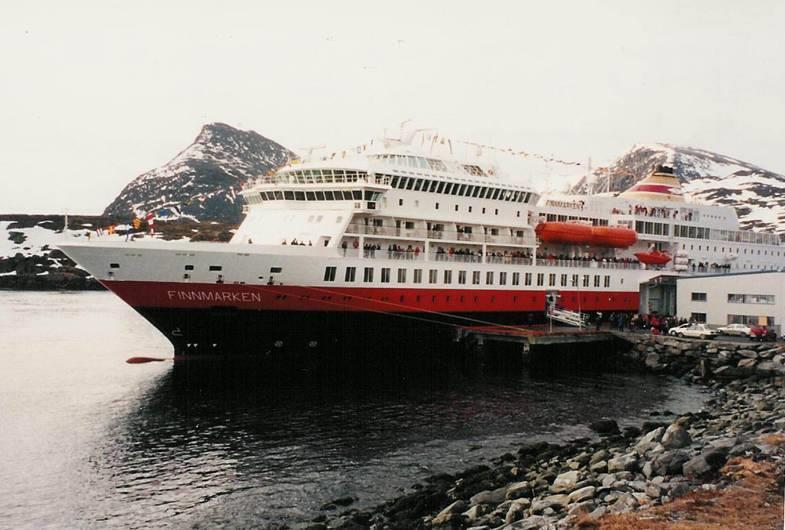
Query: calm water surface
(89, 441)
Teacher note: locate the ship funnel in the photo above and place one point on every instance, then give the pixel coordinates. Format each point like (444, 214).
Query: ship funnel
(660, 185)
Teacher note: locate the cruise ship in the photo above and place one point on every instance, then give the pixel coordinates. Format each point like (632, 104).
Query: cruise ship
(400, 243)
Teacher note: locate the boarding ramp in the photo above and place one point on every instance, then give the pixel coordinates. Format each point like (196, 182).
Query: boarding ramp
(571, 318)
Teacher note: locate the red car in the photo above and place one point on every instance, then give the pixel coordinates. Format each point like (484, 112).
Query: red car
(762, 333)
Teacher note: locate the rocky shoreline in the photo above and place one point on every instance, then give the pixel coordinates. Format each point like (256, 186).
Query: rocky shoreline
(585, 482)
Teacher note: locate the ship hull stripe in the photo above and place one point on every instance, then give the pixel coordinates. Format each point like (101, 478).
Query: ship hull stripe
(140, 294)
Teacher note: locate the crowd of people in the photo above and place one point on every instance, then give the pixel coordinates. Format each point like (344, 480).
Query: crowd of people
(657, 324)
(655, 211)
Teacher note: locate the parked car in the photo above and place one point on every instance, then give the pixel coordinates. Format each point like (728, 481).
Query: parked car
(740, 330)
(763, 334)
(699, 331)
(675, 331)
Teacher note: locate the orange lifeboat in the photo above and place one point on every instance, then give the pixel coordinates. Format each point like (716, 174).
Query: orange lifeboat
(615, 237)
(655, 257)
(583, 234)
(568, 233)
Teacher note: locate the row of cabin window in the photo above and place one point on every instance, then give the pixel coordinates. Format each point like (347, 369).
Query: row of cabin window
(565, 280)
(563, 218)
(496, 210)
(322, 195)
(310, 176)
(456, 188)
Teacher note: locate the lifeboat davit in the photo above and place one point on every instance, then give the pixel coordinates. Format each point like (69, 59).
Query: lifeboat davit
(655, 257)
(583, 234)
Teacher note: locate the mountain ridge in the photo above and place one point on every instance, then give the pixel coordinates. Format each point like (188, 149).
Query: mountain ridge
(757, 194)
(202, 181)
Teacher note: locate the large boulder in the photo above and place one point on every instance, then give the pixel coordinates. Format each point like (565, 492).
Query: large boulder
(669, 463)
(605, 426)
(565, 482)
(676, 437)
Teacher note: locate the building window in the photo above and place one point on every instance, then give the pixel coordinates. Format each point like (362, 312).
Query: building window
(461, 276)
(432, 275)
(368, 275)
(698, 317)
(701, 297)
(447, 276)
(401, 275)
(502, 278)
(751, 320)
(751, 298)
(476, 277)
(350, 272)
(385, 275)
(516, 278)
(417, 275)
(329, 274)
(489, 278)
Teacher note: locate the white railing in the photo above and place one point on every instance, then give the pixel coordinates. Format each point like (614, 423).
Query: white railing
(441, 235)
(414, 255)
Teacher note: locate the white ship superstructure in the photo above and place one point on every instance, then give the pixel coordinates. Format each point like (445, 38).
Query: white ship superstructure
(405, 242)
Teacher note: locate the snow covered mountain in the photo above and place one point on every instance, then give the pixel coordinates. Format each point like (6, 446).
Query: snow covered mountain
(202, 181)
(707, 177)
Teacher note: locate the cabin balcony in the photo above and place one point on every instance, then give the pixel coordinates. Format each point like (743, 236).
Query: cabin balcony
(447, 236)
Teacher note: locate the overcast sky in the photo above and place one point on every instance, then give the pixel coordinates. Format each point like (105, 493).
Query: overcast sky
(94, 93)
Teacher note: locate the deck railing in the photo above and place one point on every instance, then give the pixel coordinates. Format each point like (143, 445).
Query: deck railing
(442, 235)
(413, 255)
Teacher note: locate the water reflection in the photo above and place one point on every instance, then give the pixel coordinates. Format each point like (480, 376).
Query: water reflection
(261, 444)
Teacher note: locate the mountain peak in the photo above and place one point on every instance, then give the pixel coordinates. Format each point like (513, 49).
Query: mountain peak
(708, 177)
(202, 181)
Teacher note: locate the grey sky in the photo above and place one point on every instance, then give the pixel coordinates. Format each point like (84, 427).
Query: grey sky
(94, 93)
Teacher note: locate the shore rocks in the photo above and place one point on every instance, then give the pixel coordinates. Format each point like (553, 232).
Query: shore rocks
(605, 426)
(555, 485)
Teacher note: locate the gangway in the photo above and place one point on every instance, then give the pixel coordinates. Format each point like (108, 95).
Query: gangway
(572, 318)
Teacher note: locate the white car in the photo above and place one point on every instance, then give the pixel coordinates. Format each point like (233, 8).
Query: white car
(699, 331)
(675, 331)
(742, 330)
